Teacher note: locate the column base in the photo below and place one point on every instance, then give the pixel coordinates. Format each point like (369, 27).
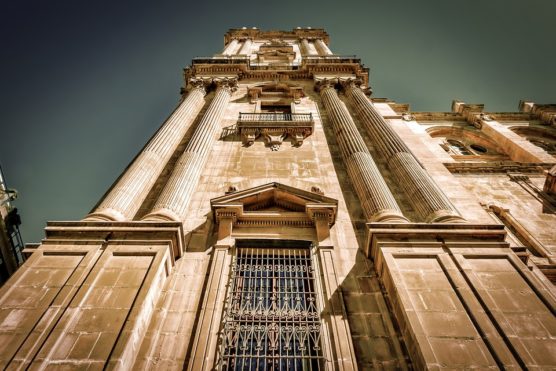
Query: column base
(445, 216)
(389, 216)
(162, 215)
(106, 215)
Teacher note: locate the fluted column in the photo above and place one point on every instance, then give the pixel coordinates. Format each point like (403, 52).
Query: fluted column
(307, 48)
(231, 47)
(322, 48)
(174, 198)
(246, 47)
(126, 197)
(377, 201)
(424, 194)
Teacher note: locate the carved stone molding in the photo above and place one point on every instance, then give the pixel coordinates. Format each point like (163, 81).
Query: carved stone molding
(226, 214)
(300, 208)
(257, 93)
(495, 167)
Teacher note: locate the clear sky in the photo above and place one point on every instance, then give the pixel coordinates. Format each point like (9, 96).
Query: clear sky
(84, 84)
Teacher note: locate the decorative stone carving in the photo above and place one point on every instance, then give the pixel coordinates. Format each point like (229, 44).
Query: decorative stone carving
(249, 135)
(518, 177)
(227, 83)
(274, 138)
(323, 83)
(317, 190)
(298, 136)
(406, 116)
(231, 189)
(275, 127)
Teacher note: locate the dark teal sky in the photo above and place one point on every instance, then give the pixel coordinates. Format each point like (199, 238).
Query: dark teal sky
(84, 84)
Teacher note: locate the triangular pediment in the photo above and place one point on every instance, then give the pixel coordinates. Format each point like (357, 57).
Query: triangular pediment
(274, 200)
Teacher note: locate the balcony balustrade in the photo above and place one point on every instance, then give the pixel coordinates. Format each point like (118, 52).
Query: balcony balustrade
(275, 127)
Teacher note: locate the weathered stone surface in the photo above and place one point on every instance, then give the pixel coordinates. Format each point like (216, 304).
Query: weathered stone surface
(151, 294)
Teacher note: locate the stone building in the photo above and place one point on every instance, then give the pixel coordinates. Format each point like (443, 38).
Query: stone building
(282, 219)
(11, 244)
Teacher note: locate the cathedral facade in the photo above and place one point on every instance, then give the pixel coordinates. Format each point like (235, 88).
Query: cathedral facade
(281, 218)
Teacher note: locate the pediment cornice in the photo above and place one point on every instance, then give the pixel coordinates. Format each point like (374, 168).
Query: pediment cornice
(274, 204)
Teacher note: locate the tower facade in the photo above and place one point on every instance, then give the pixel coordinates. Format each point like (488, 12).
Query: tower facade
(282, 219)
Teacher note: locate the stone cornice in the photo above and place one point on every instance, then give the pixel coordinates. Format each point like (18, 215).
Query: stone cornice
(499, 167)
(302, 208)
(456, 116)
(334, 66)
(256, 34)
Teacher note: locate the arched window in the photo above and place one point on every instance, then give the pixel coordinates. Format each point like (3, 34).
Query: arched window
(478, 149)
(458, 148)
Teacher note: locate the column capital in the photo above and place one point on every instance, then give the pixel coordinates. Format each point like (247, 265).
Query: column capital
(355, 83)
(198, 83)
(226, 83)
(323, 83)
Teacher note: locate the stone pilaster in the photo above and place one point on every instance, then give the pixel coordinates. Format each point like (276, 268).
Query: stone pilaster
(322, 48)
(230, 49)
(126, 197)
(424, 194)
(246, 47)
(174, 199)
(377, 201)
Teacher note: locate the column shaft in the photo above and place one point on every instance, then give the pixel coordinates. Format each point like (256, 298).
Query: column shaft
(424, 194)
(322, 48)
(230, 49)
(307, 48)
(174, 198)
(377, 201)
(246, 47)
(126, 197)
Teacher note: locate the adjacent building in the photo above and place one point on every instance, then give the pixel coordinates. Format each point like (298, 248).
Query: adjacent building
(11, 244)
(282, 218)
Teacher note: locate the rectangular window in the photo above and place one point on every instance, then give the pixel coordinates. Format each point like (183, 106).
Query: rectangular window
(271, 320)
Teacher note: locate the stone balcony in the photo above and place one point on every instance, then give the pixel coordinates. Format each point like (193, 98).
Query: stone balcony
(275, 127)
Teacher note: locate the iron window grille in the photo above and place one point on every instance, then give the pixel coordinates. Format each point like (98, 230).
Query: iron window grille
(271, 320)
